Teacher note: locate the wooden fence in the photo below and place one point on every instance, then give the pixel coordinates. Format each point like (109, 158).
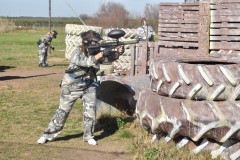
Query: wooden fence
(225, 26)
(190, 29)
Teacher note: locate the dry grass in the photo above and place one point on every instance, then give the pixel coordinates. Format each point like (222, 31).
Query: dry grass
(29, 98)
(6, 25)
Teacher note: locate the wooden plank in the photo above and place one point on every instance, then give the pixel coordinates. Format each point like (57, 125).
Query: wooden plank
(178, 44)
(225, 31)
(177, 4)
(153, 49)
(221, 6)
(224, 38)
(177, 11)
(178, 35)
(185, 21)
(225, 25)
(144, 58)
(163, 50)
(224, 45)
(225, 12)
(223, 1)
(185, 30)
(179, 16)
(166, 25)
(233, 52)
(184, 8)
(140, 59)
(204, 21)
(225, 18)
(191, 39)
(133, 57)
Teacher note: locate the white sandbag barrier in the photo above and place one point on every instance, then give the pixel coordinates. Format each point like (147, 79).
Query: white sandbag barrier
(73, 40)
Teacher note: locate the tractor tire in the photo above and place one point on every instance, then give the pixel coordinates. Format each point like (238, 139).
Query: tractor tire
(210, 125)
(75, 29)
(73, 40)
(217, 82)
(68, 51)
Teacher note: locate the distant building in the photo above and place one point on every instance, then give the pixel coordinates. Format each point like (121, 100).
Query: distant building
(192, 0)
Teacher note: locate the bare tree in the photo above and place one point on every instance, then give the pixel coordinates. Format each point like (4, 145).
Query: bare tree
(112, 14)
(151, 12)
(191, 0)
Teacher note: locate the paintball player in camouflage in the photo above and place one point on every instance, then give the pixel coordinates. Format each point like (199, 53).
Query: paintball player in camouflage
(79, 81)
(43, 45)
(145, 32)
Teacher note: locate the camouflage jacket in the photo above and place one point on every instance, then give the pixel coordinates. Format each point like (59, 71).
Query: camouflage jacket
(82, 68)
(145, 32)
(46, 41)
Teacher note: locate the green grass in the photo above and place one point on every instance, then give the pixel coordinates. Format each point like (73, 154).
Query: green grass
(28, 104)
(19, 48)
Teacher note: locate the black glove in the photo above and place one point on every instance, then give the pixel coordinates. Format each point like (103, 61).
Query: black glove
(52, 48)
(107, 52)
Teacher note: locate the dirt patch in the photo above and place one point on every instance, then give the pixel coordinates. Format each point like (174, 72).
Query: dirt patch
(63, 147)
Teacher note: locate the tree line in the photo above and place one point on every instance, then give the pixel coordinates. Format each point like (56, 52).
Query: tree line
(108, 15)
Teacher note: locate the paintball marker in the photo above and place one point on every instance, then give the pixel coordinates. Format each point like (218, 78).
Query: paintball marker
(110, 46)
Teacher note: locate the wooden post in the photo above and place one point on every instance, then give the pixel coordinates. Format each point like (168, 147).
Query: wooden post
(204, 28)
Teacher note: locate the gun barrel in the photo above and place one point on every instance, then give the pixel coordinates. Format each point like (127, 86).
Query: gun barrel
(133, 41)
(117, 43)
(104, 44)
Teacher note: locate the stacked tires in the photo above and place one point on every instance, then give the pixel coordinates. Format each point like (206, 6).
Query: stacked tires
(123, 64)
(196, 100)
(73, 39)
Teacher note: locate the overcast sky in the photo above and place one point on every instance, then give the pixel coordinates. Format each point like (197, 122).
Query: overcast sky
(67, 8)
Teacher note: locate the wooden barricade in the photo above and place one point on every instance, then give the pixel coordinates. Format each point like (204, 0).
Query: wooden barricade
(225, 26)
(191, 29)
(142, 53)
(183, 28)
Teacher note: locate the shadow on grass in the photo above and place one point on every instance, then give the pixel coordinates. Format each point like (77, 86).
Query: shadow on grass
(109, 125)
(68, 137)
(5, 78)
(3, 68)
(59, 65)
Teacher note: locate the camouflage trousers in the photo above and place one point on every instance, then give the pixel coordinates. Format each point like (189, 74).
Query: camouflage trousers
(42, 56)
(68, 97)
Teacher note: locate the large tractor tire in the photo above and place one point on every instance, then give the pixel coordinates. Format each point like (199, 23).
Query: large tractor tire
(75, 29)
(68, 51)
(194, 101)
(217, 82)
(73, 39)
(192, 121)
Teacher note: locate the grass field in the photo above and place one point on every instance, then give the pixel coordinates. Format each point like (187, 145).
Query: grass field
(29, 96)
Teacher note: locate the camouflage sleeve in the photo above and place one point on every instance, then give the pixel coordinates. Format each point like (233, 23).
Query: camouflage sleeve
(46, 40)
(78, 58)
(151, 30)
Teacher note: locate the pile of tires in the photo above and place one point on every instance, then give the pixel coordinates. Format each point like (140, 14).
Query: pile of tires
(194, 101)
(73, 39)
(123, 64)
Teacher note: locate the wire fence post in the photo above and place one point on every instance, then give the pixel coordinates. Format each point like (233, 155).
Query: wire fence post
(50, 29)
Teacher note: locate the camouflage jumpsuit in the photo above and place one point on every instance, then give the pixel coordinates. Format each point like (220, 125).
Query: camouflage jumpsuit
(146, 33)
(43, 49)
(73, 86)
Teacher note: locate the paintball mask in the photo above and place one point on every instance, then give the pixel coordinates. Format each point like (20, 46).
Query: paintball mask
(54, 34)
(90, 36)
